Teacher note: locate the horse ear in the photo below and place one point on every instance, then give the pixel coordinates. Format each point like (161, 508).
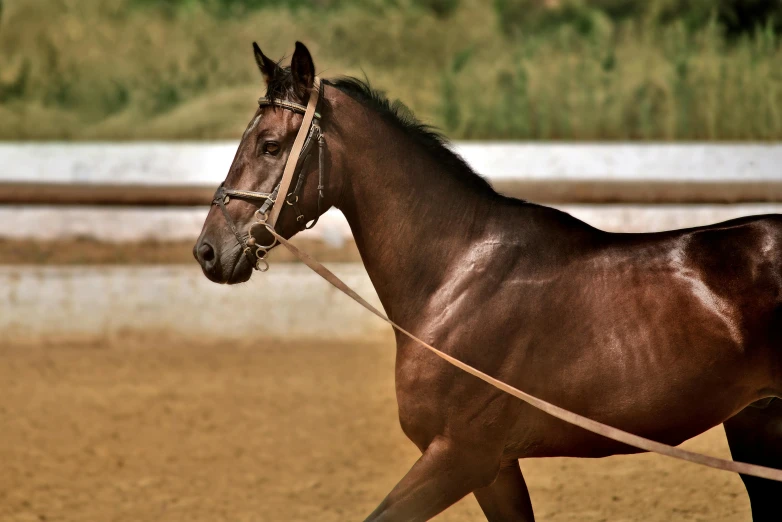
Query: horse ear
(303, 70)
(268, 67)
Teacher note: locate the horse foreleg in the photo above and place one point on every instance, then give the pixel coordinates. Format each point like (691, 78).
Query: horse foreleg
(755, 436)
(445, 473)
(507, 499)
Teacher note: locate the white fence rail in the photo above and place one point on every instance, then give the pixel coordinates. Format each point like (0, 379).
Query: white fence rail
(204, 163)
(128, 224)
(187, 173)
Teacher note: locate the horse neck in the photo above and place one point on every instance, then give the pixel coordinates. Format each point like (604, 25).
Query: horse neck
(411, 218)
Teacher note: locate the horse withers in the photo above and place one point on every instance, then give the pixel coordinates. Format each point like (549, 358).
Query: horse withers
(664, 335)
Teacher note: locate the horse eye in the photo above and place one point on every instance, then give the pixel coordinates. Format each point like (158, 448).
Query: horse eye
(271, 147)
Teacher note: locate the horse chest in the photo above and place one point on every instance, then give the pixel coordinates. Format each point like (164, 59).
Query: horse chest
(420, 395)
(435, 398)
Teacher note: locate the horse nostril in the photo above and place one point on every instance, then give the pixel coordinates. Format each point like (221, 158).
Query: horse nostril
(206, 252)
(208, 259)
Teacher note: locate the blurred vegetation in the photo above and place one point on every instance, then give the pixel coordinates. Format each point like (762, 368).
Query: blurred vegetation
(479, 69)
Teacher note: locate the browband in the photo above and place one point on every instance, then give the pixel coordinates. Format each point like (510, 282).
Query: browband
(295, 107)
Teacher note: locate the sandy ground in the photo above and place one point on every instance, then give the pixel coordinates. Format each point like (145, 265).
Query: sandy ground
(172, 432)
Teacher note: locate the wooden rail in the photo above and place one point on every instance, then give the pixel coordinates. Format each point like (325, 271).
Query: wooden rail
(546, 191)
(104, 194)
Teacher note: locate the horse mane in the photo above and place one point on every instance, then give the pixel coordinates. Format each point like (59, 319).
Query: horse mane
(394, 113)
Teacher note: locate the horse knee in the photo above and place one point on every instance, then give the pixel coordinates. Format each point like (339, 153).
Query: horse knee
(477, 467)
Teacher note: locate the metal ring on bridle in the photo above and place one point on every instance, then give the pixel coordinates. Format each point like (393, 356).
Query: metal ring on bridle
(255, 243)
(262, 267)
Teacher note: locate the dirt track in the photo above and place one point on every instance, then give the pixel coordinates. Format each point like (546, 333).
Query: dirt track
(142, 432)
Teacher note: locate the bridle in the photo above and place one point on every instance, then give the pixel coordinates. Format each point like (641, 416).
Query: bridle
(271, 204)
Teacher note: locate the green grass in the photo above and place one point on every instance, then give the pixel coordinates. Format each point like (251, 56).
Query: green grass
(183, 69)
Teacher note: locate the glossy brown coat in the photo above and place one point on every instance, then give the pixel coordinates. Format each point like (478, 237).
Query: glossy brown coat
(663, 335)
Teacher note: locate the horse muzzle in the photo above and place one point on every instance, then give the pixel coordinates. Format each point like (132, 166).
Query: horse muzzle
(224, 269)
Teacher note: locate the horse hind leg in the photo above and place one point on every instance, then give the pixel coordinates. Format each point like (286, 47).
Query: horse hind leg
(755, 436)
(507, 498)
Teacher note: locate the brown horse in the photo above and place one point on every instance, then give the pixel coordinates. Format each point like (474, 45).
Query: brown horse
(664, 335)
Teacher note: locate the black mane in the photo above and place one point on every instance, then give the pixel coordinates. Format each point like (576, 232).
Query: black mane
(395, 113)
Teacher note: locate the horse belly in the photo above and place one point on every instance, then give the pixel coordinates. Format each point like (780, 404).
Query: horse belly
(641, 351)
